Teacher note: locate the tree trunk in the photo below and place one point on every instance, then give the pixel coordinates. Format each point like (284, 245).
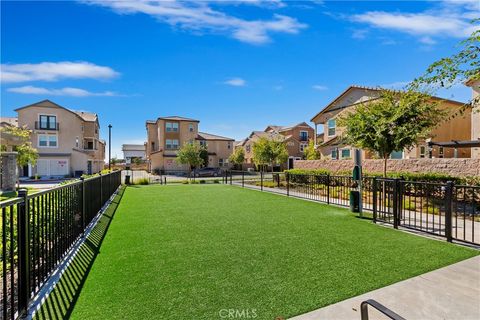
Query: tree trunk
(385, 160)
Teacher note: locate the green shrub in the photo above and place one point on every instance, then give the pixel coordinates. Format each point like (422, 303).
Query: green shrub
(142, 181)
(202, 181)
(216, 181)
(185, 182)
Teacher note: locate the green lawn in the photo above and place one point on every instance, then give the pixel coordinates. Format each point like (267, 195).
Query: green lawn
(189, 251)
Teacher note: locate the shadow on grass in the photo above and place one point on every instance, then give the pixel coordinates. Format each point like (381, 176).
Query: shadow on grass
(60, 302)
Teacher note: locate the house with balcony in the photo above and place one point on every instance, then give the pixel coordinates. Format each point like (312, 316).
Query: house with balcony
(296, 138)
(456, 127)
(167, 134)
(67, 141)
(131, 152)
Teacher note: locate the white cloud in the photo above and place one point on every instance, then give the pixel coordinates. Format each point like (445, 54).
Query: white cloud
(236, 82)
(200, 17)
(319, 87)
(73, 92)
(53, 71)
(417, 23)
(359, 34)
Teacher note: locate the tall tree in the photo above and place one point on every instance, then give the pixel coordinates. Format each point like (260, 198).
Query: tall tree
(237, 157)
(310, 152)
(269, 152)
(456, 69)
(396, 121)
(190, 154)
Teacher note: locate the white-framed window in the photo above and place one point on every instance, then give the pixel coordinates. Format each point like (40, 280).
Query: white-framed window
(422, 151)
(303, 135)
(302, 147)
(203, 143)
(345, 153)
(247, 148)
(220, 162)
(332, 125)
(171, 144)
(190, 127)
(229, 145)
(76, 142)
(441, 152)
(171, 126)
(334, 154)
(48, 140)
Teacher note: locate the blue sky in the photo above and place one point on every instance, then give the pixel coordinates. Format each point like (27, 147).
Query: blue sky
(237, 66)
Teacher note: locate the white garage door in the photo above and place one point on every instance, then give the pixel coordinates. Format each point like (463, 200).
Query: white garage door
(52, 167)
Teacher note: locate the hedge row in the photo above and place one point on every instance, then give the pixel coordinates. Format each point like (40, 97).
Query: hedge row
(409, 176)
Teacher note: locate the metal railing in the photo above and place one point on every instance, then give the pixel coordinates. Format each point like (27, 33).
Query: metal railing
(47, 126)
(442, 209)
(37, 232)
(380, 307)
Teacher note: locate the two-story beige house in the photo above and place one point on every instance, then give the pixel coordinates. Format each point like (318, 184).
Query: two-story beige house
(295, 137)
(167, 134)
(67, 141)
(457, 127)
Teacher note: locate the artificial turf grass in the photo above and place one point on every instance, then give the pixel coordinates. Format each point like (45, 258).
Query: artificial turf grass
(187, 252)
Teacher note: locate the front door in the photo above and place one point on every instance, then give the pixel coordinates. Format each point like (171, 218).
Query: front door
(89, 167)
(290, 163)
(25, 171)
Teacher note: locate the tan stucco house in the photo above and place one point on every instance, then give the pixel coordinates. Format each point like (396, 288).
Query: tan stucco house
(296, 138)
(456, 127)
(167, 134)
(67, 141)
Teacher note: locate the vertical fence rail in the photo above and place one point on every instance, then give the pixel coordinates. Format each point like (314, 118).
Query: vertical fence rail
(39, 230)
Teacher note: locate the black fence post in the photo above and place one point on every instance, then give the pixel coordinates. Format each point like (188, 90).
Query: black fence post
(448, 210)
(261, 180)
(82, 179)
(328, 189)
(243, 178)
(287, 177)
(374, 199)
(101, 188)
(231, 177)
(396, 205)
(23, 254)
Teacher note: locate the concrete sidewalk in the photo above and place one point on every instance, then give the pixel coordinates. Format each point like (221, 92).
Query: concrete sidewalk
(452, 292)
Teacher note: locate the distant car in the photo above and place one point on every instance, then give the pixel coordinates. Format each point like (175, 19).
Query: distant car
(207, 172)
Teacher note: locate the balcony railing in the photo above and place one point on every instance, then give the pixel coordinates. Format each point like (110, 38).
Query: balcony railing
(46, 126)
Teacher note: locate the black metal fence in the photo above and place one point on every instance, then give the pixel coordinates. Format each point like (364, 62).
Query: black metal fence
(38, 230)
(442, 209)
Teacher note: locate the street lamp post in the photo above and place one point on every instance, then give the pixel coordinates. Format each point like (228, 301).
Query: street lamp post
(109, 146)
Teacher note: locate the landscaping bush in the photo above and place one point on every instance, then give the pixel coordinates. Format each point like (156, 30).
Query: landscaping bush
(216, 181)
(142, 181)
(202, 181)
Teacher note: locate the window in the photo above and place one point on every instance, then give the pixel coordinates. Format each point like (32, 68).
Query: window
(153, 146)
(331, 127)
(171, 144)
(229, 145)
(172, 126)
(302, 147)
(247, 147)
(190, 127)
(334, 154)
(303, 135)
(220, 162)
(422, 151)
(396, 155)
(96, 129)
(440, 152)
(47, 140)
(203, 143)
(345, 153)
(48, 122)
(76, 142)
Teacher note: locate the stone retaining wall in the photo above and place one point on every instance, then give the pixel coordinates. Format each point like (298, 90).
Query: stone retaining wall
(453, 167)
